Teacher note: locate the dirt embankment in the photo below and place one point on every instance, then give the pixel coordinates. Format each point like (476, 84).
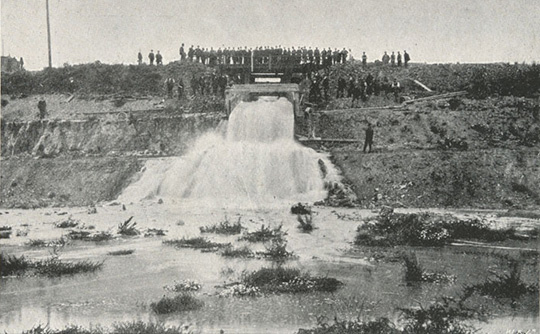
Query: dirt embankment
(494, 178)
(106, 135)
(29, 183)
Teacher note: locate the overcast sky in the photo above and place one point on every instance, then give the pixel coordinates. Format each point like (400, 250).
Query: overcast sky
(113, 31)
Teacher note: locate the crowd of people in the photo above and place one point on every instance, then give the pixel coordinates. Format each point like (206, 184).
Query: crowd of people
(276, 55)
(357, 87)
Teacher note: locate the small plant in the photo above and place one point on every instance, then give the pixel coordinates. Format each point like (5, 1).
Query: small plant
(5, 232)
(242, 252)
(183, 286)
(68, 223)
(13, 265)
(240, 290)
(277, 250)
(37, 243)
(444, 316)
(179, 303)
(288, 280)
(306, 222)
(151, 232)
(128, 228)
(196, 243)
(88, 236)
(121, 252)
(264, 234)
(224, 227)
(54, 267)
(504, 286)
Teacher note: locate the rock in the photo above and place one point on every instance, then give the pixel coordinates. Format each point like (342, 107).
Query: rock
(13, 183)
(51, 194)
(92, 210)
(160, 201)
(123, 207)
(180, 222)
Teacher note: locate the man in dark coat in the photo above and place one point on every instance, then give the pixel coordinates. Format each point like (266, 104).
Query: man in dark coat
(369, 138)
(151, 57)
(406, 57)
(182, 53)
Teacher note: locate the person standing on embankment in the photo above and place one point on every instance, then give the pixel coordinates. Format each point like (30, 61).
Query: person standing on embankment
(369, 138)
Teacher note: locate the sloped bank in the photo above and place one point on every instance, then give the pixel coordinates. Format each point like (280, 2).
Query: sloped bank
(494, 178)
(30, 183)
(168, 135)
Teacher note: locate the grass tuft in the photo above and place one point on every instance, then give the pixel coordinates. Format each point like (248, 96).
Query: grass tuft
(288, 280)
(121, 252)
(179, 303)
(196, 243)
(224, 227)
(264, 234)
(13, 265)
(68, 223)
(241, 252)
(128, 228)
(54, 267)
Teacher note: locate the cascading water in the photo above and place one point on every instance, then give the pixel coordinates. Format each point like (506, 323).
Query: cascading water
(257, 160)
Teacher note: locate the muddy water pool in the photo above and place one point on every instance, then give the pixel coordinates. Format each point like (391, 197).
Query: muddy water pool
(124, 288)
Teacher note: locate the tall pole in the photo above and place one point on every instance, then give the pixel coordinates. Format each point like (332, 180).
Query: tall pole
(49, 34)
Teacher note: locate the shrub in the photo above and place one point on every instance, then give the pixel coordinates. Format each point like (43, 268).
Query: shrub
(224, 227)
(179, 303)
(306, 222)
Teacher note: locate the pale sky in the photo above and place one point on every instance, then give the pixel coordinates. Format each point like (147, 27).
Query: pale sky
(113, 31)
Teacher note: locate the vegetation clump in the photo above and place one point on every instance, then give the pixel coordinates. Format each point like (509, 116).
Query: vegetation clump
(13, 265)
(89, 236)
(138, 327)
(504, 286)
(240, 252)
(425, 229)
(68, 223)
(264, 234)
(5, 232)
(52, 267)
(121, 252)
(179, 303)
(183, 286)
(224, 227)
(277, 250)
(196, 243)
(306, 222)
(128, 228)
(288, 280)
(415, 273)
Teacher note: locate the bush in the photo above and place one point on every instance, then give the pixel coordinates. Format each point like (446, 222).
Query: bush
(179, 303)
(68, 223)
(277, 250)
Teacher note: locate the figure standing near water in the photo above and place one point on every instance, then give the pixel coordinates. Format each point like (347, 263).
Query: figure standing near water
(369, 138)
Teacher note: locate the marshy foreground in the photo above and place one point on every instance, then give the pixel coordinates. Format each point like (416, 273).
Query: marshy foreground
(247, 271)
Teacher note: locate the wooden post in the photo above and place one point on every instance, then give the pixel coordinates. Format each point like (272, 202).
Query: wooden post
(48, 33)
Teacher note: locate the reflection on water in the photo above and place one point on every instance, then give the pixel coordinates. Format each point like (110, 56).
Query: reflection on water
(124, 288)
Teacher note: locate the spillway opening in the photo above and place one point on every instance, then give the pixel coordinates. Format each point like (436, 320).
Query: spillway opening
(256, 159)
